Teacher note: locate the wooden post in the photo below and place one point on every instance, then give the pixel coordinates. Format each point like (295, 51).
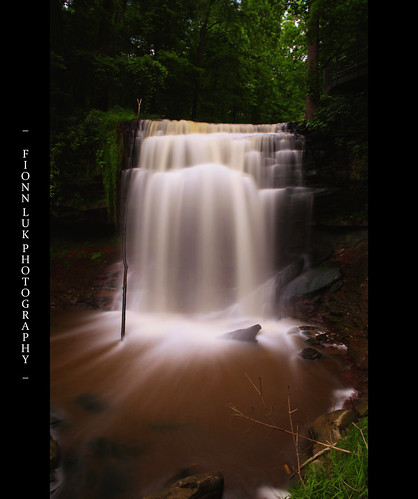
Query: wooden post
(124, 256)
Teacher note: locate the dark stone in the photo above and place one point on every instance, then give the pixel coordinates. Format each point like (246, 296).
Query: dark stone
(53, 453)
(247, 334)
(91, 402)
(313, 280)
(329, 427)
(199, 486)
(310, 354)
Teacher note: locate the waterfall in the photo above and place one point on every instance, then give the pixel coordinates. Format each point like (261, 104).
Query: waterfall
(217, 222)
(215, 212)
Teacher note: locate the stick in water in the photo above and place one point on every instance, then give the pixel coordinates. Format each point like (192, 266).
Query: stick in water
(125, 261)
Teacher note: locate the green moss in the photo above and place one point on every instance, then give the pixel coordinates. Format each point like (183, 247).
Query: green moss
(109, 151)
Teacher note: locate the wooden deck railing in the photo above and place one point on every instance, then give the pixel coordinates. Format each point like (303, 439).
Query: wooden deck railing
(346, 69)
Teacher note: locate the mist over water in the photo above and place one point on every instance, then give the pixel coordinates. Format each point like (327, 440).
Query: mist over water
(215, 213)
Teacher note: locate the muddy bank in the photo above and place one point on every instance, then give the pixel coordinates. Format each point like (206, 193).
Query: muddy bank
(84, 271)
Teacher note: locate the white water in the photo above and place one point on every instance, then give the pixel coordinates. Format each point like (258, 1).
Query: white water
(209, 211)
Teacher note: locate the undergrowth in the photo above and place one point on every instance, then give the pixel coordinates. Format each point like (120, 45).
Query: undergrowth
(90, 147)
(337, 474)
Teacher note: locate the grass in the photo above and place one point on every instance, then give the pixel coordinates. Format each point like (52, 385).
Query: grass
(337, 474)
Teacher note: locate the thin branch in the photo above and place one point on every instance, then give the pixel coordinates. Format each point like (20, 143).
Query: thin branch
(315, 456)
(238, 413)
(269, 411)
(295, 437)
(352, 488)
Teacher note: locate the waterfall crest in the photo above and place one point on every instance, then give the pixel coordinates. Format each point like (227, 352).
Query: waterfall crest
(215, 211)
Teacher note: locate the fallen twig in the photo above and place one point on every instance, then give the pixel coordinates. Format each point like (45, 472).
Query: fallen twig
(238, 413)
(295, 438)
(315, 456)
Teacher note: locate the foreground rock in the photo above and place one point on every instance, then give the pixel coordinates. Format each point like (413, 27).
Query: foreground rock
(310, 354)
(53, 453)
(312, 281)
(247, 334)
(200, 486)
(328, 428)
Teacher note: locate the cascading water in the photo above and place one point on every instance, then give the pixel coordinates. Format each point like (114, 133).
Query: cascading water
(218, 219)
(210, 210)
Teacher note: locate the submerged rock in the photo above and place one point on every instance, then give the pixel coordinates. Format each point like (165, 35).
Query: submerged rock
(328, 428)
(200, 486)
(310, 354)
(54, 453)
(247, 334)
(91, 402)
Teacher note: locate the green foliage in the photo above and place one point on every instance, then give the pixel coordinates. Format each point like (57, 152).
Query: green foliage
(345, 118)
(339, 474)
(96, 255)
(343, 24)
(207, 60)
(340, 112)
(100, 133)
(90, 147)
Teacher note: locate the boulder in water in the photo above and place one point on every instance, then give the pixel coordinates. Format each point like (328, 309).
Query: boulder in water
(202, 485)
(329, 427)
(247, 334)
(310, 354)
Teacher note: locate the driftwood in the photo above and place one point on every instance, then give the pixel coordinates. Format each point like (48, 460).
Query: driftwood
(124, 256)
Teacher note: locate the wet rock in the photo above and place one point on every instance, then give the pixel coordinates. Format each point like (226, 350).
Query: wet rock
(308, 329)
(317, 339)
(288, 273)
(53, 453)
(313, 280)
(328, 428)
(310, 354)
(91, 402)
(199, 486)
(247, 334)
(183, 473)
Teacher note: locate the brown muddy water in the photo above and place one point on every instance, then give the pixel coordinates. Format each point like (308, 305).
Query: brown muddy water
(135, 414)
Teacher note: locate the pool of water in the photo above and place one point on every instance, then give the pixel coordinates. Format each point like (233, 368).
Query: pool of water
(135, 414)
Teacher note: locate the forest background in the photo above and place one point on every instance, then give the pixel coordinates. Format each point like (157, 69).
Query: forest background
(248, 61)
